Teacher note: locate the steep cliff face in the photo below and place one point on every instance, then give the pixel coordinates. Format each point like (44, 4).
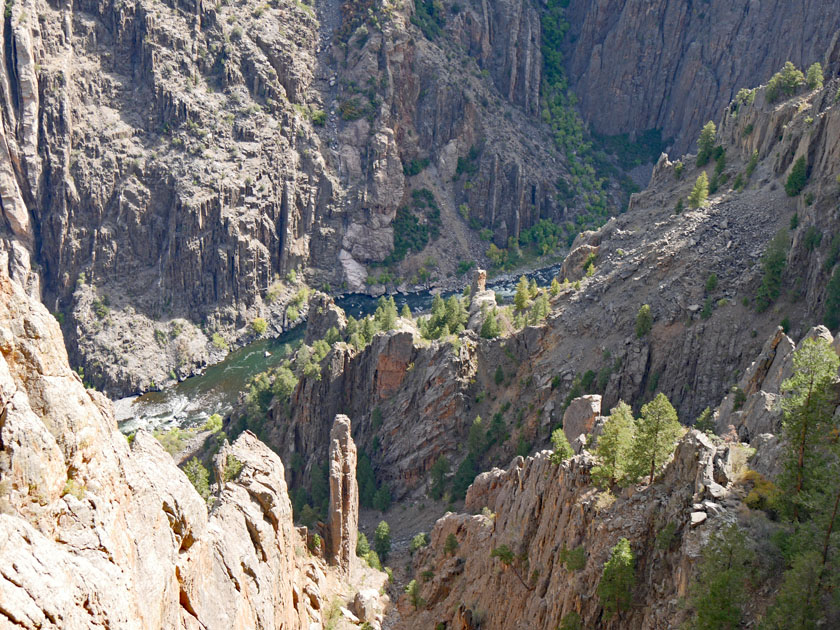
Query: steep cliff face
(673, 65)
(702, 339)
(168, 164)
(95, 532)
(536, 508)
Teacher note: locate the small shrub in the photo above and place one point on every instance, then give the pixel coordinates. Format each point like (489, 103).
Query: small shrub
(233, 466)
(644, 321)
(219, 342)
(711, 282)
(451, 545)
(797, 178)
(259, 325)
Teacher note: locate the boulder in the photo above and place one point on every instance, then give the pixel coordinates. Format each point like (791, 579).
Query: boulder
(580, 416)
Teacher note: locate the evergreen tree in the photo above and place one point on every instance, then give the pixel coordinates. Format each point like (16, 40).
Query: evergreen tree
(438, 473)
(797, 178)
(199, 477)
(406, 311)
(362, 545)
(540, 309)
(523, 294)
(773, 263)
(451, 545)
(499, 375)
(797, 606)
(491, 328)
(475, 439)
(614, 444)
(464, 477)
(382, 498)
(555, 287)
(615, 589)
(814, 76)
(832, 301)
(808, 413)
(657, 431)
(382, 540)
(698, 195)
(562, 448)
(706, 143)
(644, 321)
(717, 594)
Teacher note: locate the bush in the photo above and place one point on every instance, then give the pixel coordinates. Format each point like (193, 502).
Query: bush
(573, 559)
(219, 342)
(259, 325)
(797, 178)
(233, 467)
(199, 477)
(644, 321)
(213, 424)
(711, 282)
(318, 117)
(419, 541)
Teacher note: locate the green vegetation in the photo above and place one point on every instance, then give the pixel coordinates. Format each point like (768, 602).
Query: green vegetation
(491, 327)
(219, 342)
(615, 590)
(717, 596)
(785, 83)
(259, 326)
(573, 559)
(419, 541)
(517, 564)
(447, 317)
(562, 448)
(415, 166)
(410, 233)
(438, 474)
(832, 302)
(711, 283)
(173, 440)
(698, 195)
(657, 431)
(382, 540)
(706, 143)
(429, 17)
(232, 468)
(644, 321)
(773, 264)
(413, 591)
(614, 446)
(450, 546)
(814, 76)
(797, 178)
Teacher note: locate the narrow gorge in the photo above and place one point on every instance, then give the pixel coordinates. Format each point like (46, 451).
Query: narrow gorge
(427, 314)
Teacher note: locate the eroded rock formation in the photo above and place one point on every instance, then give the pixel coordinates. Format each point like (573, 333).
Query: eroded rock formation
(97, 532)
(343, 515)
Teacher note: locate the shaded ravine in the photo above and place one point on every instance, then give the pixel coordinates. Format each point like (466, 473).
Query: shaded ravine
(216, 390)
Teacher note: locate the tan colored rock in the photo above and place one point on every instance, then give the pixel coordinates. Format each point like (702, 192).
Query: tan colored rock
(366, 605)
(343, 516)
(580, 416)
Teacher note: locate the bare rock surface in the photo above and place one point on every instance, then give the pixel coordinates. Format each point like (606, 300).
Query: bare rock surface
(343, 516)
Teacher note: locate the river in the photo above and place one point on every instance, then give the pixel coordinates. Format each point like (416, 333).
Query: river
(193, 400)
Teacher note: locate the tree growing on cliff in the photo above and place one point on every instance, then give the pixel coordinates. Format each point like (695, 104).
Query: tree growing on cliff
(382, 540)
(523, 294)
(814, 76)
(614, 445)
(773, 263)
(808, 406)
(706, 143)
(615, 589)
(797, 178)
(199, 477)
(644, 321)
(562, 448)
(717, 594)
(700, 192)
(491, 328)
(438, 474)
(657, 431)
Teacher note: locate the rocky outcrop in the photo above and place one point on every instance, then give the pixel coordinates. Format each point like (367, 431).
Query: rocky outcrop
(579, 418)
(95, 531)
(322, 315)
(343, 515)
(672, 65)
(537, 508)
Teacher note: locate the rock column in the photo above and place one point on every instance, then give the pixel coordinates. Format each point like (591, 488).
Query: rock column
(343, 518)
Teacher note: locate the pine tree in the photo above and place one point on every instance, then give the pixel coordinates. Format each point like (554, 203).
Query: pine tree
(614, 444)
(562, 448)
(773, 263)
(644, 321)
(798, 177)
(808, 412)
(706, 143)
(555, 287)
(406, 311)
(438, 474)
(523, 294)
(615, 589)
(832, 301)
(199, 477)
(717, 594)
(657, 431)
(475, 439)
(698, 195)
(382, 540)
(797, 604)
(491, 328)
(814, 76)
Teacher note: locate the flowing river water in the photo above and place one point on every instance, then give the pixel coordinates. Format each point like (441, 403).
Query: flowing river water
(216, 390)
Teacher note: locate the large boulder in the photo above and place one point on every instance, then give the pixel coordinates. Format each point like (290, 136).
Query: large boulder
(580, 416)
